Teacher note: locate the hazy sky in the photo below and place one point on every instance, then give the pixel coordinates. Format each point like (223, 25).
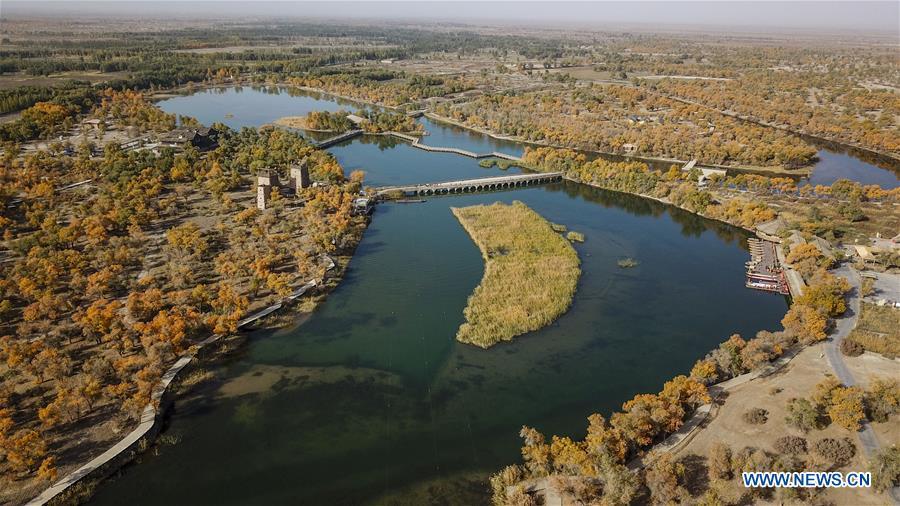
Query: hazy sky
(883, 16)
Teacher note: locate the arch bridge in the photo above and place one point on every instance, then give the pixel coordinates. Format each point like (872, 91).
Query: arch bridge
(475, 185)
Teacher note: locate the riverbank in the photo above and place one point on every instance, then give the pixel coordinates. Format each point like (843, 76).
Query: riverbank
(795, 281)
(844, 144)
(769, 171)
(399, 315)
(78, 485)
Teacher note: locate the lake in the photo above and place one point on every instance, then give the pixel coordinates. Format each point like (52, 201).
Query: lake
(372, 401)
(245, 106)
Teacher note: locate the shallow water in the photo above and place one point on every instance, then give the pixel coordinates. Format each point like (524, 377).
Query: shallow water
(373, 401)
(835, 164)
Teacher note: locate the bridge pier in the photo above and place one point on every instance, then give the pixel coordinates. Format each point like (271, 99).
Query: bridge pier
(476, 185)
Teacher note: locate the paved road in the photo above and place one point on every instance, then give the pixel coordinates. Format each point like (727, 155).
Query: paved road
(843, 326)
(887, 286)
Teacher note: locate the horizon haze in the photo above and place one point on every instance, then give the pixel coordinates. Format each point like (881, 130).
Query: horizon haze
(869, 16)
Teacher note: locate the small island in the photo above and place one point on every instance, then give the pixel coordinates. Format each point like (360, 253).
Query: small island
(530, 273)
(318, 121)
(370, 121)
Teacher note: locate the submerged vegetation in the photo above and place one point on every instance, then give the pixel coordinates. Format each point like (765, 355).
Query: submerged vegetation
(627, 263)
(575, 236)
(529, 278)
(500, 163)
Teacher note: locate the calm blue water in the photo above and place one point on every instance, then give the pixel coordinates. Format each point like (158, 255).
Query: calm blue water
(245, 106)
(372, 401)
(252, 106)
(834, 165)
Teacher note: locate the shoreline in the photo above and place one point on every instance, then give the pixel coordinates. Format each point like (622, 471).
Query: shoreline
(150, 423)
(803, 172)
(769, 171)
(895, 158)
(756, 233)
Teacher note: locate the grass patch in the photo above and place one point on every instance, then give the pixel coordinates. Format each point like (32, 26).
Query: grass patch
(558, 228)
(575, 236)
(500, 163)
(530, 273)
(627, 263)
(876, 330)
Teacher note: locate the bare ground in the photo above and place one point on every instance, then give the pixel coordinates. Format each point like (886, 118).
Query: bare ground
(797, 379)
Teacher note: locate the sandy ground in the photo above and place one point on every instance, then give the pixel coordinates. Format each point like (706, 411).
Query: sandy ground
(77, 135)
(797, 379)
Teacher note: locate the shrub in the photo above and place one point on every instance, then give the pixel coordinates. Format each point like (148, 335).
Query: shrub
(787, 464)
(756, 416)
(752, 459)
(627, 263)
(664, 478)
(838, 451)
(705, 372)
(803, 415)
(508, 476)
(851, 348)
(720, 462)
(792, 445)
(882, 400)
(885, 468)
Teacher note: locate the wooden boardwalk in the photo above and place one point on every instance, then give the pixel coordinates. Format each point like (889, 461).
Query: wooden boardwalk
(414, 142)
(331, 141)
(475, 185)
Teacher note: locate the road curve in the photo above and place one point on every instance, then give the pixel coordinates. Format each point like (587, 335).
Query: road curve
(843, 326)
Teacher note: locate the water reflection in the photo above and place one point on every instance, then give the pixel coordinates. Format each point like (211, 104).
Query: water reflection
(373, 401)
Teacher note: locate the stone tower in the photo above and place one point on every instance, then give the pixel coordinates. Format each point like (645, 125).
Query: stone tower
(263, 196)
(300, 175)
(267, 177)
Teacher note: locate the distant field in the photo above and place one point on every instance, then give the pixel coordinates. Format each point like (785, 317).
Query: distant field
(587, 73)
(241, 49)
(8, 81)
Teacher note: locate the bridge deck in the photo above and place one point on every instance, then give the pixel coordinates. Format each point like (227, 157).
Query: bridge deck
(331, 141)
(477, 184)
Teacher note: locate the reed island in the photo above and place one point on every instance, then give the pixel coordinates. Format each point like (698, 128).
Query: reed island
(530, 273)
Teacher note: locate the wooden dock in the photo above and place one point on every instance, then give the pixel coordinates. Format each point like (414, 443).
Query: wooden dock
(764, 271)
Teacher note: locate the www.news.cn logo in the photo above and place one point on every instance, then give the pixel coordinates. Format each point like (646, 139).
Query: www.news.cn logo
(806, 479)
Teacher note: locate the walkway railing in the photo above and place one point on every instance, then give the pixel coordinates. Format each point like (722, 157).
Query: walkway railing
(474, 185)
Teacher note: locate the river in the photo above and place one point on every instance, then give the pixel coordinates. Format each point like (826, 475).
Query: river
(372, 401)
